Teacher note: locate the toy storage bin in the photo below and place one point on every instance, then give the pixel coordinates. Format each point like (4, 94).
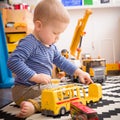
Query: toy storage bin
(15, 37)
(72, 2)
(88, 2)
(11, 47)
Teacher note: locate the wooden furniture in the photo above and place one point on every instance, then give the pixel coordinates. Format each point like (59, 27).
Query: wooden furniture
(22, 25)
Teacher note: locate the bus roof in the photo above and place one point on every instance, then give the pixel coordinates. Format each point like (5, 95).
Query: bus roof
(63, 87)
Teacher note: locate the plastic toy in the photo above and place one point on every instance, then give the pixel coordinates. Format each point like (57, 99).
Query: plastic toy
(56, 101)
(113, 68)
(96, 68)
(79, 111)
(78, 35)
(94, 93)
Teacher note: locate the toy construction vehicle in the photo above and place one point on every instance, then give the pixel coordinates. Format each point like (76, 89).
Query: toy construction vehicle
(56, 101)
(75, 47)
(79, 111)
(96, 68)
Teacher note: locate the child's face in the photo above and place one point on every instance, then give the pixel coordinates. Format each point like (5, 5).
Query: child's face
(50, 33)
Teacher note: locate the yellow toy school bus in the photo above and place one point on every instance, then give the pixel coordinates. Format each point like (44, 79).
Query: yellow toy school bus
(56, 101)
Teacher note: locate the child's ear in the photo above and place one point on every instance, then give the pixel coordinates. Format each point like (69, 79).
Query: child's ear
(38, 25)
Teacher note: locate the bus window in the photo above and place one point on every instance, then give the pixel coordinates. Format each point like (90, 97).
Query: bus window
(59, 96)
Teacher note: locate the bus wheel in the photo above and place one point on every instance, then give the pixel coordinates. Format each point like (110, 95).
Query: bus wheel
(62, 111)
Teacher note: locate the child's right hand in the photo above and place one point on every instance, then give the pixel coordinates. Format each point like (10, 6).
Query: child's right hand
(41, 78)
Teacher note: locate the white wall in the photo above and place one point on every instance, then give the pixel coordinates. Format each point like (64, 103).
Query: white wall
(102, 33)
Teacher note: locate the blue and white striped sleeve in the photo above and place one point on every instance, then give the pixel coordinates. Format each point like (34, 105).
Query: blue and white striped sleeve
(64, 64)
(16, 62)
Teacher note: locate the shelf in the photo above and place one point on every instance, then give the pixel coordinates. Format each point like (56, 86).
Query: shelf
(16, 30)
(11, 47)
(23, 25)
(107, 5)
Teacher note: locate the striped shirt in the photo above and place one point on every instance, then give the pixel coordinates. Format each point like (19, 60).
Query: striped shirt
(31, 57)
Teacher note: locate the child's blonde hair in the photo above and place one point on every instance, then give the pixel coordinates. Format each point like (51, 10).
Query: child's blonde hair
(50, 10)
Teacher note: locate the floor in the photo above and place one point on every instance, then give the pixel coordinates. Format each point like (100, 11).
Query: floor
(107, 109)
(5, 97)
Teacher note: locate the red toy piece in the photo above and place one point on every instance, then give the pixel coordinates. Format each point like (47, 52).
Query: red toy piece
(79, 111)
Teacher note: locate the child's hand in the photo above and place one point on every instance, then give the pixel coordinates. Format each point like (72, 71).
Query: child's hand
(41, 78)
(84, 77)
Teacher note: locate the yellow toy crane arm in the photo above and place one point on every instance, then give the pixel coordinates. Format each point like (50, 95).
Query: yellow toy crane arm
(78, 34)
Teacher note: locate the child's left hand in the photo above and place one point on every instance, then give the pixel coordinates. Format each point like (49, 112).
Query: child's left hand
(84, 77)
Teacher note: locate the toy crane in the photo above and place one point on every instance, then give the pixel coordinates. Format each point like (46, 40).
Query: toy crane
(95, 67)
(78, 34)
(76, 41)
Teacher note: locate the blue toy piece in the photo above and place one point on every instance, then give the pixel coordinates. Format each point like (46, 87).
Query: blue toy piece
(6, 79)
